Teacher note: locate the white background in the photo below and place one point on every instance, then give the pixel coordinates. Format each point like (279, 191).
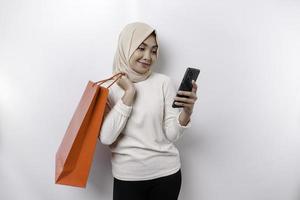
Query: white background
(244, 143)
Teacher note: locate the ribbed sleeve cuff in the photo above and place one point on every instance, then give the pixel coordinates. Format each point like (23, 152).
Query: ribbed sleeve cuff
(122, 108)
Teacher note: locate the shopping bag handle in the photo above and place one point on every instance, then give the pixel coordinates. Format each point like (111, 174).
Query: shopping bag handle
(120, 74)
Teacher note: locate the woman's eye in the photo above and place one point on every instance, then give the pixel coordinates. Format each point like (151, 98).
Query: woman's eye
(141, 48)
(154, 52)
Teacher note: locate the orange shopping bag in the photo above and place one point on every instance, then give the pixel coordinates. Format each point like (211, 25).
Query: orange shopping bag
(75, 153)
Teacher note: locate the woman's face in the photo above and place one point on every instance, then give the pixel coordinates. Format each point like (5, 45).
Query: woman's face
(144, 56)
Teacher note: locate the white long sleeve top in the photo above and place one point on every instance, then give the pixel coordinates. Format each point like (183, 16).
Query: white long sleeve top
(141, 137)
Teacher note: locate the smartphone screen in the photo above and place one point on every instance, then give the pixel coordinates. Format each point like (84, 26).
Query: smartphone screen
(186, 83)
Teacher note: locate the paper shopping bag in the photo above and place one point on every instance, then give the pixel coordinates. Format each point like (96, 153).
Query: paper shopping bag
(75, 153)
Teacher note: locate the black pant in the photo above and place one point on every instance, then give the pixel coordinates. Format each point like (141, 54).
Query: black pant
(164, 188)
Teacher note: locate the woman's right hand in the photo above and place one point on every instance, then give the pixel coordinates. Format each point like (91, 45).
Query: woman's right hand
(125, 83)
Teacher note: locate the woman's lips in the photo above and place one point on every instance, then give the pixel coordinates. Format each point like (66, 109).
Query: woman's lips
(145, 64)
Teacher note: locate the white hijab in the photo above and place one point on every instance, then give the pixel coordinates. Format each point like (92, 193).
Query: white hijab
(130, 38)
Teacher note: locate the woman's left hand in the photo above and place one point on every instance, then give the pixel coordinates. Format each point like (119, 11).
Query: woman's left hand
(188, 101)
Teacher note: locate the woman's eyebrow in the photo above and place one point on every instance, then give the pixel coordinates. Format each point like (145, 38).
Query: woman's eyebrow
(147, 45)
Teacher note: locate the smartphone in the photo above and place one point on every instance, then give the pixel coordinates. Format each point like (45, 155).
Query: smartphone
(186, 83)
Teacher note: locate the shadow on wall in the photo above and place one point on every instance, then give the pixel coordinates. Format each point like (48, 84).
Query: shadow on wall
(100, 176)
(192, 147)
(298, 194)
(1, 129)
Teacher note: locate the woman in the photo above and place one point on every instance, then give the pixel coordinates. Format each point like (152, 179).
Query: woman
(140, 125)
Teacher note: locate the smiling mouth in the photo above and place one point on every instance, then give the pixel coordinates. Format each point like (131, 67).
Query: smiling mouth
(146, 64)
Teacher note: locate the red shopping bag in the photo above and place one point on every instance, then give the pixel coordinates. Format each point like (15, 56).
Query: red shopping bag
(75, 153)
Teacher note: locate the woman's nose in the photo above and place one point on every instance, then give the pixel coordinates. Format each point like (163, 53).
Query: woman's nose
(147, 55)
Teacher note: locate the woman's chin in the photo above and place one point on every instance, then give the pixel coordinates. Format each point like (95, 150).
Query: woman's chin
(143, 70)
